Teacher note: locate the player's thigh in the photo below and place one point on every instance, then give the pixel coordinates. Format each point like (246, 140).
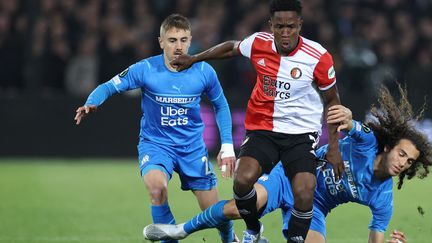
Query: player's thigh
(314, 237)
(206, 198)
(156, 166)
(300, 155)
(194, 168)
(276, 191)
(260, 145)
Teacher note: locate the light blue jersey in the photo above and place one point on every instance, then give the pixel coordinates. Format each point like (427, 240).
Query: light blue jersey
(171, 100)
(358, 185)
(171, 126)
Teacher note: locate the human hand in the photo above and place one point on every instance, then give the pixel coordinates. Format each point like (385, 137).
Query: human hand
(182, 62)
(226, 160)
(83, 111)
(334, 157)
(397, 237)
(341, 116)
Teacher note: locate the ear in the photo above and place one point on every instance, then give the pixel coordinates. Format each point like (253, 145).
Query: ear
(270, 23)
(386, 149)
(160, 42)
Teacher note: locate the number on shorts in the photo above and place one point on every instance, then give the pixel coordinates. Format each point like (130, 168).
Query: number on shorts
(207, 167)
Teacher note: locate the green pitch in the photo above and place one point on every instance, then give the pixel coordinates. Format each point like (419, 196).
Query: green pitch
(105, 201)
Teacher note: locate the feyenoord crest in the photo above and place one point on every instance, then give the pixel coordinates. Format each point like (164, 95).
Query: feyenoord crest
(296, 73)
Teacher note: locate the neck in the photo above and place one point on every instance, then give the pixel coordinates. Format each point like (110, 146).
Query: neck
(378, 170)
(168, 65)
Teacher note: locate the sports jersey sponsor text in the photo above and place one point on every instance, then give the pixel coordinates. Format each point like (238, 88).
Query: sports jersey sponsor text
(333, 186)
(271, 86)
(174, 100)
(171, 116)
(350, 177)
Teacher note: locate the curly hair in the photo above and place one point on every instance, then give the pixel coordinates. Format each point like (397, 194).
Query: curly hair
(392, 122)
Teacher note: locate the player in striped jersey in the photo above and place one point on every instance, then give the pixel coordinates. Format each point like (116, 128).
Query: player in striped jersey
(387, 146)
(295, 82)
(171, 126)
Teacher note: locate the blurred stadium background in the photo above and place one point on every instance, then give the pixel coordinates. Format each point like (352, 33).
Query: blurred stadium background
(54, 52)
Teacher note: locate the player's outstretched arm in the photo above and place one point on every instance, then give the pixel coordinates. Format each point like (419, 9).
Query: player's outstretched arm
(83, 111)
(341, 117)
(331, 98)
(95, 99)
(223, 50)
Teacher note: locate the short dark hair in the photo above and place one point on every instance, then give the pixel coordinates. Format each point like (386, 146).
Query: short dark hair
(175, 21)
(285, 5)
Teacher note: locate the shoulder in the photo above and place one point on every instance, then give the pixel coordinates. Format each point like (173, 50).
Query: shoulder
(202, 67)
(313, 46)
(265, 36)
(149, 62)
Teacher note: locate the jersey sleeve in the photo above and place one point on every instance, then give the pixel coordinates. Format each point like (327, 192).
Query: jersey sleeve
(245, 46)
(131, 78)
(213, 89)
(222, 111)
(324, 73)
(382, 210)
(362, 134)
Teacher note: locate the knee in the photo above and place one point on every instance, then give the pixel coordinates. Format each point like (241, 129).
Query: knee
(244, 181)
(304, 193)
(158, 194)
(246, 175)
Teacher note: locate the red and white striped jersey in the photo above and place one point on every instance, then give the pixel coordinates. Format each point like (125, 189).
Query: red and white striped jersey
(285, 98)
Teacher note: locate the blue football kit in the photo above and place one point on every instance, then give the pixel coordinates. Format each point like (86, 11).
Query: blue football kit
(358, 149)
(171, 127)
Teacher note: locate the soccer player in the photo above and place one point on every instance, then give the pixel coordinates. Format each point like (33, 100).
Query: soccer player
(171, 127)
(284, 113)
(387, 146)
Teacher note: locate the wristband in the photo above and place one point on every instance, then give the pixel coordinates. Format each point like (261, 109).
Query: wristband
(227, 150)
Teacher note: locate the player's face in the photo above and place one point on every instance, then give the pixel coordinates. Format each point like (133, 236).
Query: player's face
(400, 157)
(175, 42)
(286, 26)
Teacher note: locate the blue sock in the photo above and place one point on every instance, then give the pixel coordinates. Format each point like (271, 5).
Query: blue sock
(226, 231)
(161, 214)
(210, 218)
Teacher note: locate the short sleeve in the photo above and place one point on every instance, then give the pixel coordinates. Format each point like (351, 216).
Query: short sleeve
(324, 73)
(245, 47)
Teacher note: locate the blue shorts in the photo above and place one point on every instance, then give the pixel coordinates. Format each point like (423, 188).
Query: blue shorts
(280, 195)
(190, 162)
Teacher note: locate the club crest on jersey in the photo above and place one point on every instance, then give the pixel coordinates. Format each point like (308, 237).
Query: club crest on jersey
(123, 73)
(331, 73)
(296, 73)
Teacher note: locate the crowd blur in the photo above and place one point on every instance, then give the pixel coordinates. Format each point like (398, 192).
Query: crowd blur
(68, 47)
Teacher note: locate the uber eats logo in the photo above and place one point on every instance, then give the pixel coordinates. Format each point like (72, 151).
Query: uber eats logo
(171, 116)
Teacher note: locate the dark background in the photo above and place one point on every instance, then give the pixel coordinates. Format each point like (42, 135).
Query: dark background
(54, 52)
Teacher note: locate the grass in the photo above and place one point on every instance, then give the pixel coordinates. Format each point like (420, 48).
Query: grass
(105, 201)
